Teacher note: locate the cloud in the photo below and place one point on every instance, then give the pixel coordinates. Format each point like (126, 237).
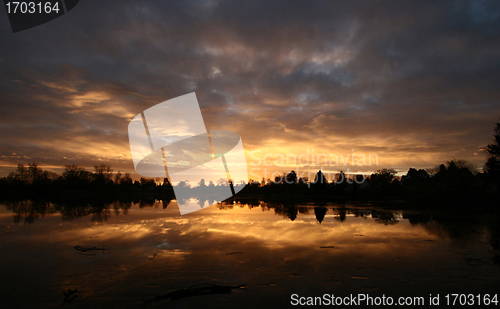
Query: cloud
(416, 83)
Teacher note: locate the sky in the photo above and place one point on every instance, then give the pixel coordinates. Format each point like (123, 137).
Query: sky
(407, 84)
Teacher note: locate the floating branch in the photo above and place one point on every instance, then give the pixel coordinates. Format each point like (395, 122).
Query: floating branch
(69, 296)
(195, 290)
(82, 249)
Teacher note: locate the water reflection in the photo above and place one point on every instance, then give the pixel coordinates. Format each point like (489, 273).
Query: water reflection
(457, 225)
(281, 249)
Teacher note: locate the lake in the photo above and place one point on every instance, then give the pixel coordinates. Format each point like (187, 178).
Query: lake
(106, 255)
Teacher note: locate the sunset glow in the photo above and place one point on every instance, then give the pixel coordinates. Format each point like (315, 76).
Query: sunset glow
(316, 78)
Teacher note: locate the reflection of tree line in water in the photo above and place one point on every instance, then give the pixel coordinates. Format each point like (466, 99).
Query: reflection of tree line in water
(28, 211)
(458, 225)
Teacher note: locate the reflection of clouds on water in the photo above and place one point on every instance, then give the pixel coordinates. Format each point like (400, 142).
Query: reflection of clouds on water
(338, 226)
(153, 246)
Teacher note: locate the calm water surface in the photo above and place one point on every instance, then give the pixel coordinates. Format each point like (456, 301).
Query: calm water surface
(276, 251)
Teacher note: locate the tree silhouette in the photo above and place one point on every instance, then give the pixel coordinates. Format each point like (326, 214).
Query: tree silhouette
(102, 173)
(291, 177)
(320, 178)
(385, 175)
(492, 166)
(320, 213)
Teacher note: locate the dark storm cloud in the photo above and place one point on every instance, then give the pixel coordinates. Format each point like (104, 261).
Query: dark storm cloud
(414, 82)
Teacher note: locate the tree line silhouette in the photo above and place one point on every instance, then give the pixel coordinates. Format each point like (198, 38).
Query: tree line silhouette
(453, 182)
(33, 181)
(456, 182)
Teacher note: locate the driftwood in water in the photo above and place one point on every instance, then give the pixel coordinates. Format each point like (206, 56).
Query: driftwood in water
(195, 290)
(69, 296)
(82, 249)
